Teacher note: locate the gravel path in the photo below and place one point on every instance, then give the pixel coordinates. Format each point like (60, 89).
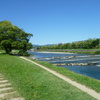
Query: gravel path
(79, 86)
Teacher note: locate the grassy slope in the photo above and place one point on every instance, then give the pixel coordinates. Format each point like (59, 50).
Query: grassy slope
(89, 82)
(35, 83)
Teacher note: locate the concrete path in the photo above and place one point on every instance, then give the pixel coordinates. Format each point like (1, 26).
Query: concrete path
(6, 90)
(79, 86)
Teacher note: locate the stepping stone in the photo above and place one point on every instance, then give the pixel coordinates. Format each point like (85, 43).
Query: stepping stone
(1, 75)
(4, 81)
(7, 94)
(5, 85)
(20, 98)
(1, 78)
(5, 89)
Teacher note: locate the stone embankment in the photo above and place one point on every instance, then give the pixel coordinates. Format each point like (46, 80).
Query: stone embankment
(7, 92)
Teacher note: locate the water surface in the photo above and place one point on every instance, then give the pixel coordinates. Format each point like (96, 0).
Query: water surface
(89, 70)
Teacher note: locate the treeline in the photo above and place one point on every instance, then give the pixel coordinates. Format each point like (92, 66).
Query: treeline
(87, 44)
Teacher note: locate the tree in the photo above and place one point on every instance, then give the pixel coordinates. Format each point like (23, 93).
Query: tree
(12, 37)
(7, 45)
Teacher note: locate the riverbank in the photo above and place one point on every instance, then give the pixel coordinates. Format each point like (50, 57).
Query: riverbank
(79, 86)
(32, 82)
(89, 82)
(55, 52)
(73, 51)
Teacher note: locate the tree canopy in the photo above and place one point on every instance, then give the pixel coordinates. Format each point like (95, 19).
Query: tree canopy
(12, 37)
(87, 44)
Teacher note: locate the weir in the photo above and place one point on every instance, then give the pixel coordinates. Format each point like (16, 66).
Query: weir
(73, 64)
(56, 58)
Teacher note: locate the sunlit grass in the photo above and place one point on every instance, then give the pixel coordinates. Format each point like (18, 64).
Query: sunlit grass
(35, 83)
(89, 82)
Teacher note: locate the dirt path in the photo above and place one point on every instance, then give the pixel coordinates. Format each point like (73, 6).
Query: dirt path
(79, 86)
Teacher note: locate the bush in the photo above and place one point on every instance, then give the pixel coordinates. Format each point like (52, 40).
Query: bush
(26, 54)
(23, 53)
(98, 47)
(97, 52)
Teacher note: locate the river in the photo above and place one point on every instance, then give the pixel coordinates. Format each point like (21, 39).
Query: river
(92, 70)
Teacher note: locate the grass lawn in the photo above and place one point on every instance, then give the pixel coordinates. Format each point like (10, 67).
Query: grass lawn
(35, 83)
(89, 82)
(2, 51)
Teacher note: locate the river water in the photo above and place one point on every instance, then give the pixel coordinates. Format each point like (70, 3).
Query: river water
(92, 70)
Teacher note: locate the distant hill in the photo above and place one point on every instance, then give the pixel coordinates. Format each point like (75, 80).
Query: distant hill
(36, 45)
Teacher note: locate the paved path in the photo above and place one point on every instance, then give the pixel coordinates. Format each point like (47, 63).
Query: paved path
(6, 90)
(79, 86)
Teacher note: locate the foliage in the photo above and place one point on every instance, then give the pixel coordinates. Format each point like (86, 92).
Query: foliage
(12, 37)
(87, 44)
(97, 52)
(23, 53)
(7, 45)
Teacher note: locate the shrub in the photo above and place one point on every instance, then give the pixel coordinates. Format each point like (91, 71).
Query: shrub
(23, 53)
(97, 52)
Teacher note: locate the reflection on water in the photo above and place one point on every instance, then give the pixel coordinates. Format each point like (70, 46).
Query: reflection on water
(89, 70)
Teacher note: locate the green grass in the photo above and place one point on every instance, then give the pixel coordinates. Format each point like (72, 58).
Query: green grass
(35, 83)
(13, 51)
(2, 51)
(86, 52)
(89, 82)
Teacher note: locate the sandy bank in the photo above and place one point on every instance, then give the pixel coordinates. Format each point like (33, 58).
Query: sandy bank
(57, 52)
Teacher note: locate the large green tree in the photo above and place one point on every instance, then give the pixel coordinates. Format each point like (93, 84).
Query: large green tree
(12, 37)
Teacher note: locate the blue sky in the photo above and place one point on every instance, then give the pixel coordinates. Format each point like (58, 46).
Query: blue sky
(54, 21)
